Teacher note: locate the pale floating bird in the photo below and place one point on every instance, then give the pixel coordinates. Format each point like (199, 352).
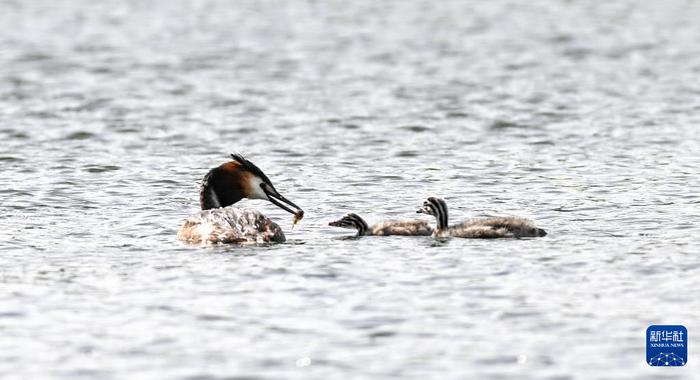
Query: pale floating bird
(484, 228)
(219, 222)
(403, 227)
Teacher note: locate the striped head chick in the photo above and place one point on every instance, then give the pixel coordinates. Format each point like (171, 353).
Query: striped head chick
(437, 208)
(352, 221)
(481, 228)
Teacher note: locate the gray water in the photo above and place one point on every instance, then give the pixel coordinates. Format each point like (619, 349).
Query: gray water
(579, 115)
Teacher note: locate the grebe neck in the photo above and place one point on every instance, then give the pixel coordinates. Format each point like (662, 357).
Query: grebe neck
(440, 213)
(361, 225)
(219, 189)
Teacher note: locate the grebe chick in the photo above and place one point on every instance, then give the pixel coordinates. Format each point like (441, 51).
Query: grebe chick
(219, 222)
(404, 227)
(486, 228)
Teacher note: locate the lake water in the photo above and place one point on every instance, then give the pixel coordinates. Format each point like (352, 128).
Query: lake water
(582, 116)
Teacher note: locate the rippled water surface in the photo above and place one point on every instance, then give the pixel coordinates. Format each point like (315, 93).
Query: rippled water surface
(580, 115)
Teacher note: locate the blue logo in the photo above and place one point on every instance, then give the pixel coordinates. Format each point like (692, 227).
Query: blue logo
(667, 345)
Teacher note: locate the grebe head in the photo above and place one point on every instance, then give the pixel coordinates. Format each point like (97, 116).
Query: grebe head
(352, 221)
(437, 208)
(238, 179)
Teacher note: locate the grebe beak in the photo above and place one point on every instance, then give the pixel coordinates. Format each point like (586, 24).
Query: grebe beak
(276, 198)
(336, 223)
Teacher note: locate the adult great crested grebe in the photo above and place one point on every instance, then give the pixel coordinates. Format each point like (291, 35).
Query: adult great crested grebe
(404, 227)
(495, 227)
(218, 222)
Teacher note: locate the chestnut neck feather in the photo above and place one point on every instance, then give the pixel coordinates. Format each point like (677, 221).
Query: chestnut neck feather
(221, 187)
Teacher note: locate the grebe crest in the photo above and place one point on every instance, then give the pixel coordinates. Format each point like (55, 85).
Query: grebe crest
(225, 185)
(232, 181)
(494, 227)
(402, 227)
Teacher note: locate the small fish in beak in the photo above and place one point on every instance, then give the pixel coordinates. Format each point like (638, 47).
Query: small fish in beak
(278, 200)
(299, 215)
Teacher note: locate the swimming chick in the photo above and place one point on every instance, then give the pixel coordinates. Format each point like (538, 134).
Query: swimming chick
(486, 228)
(219, 222)
(405, 227)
